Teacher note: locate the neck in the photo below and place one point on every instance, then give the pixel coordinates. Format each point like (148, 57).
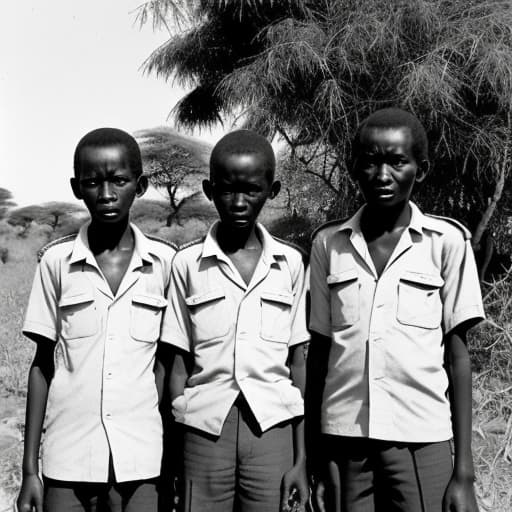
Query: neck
(379, 220)
(231, 240)
(105, 237)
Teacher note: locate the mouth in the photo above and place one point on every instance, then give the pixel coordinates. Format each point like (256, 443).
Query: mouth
(108, 213)
(384, 193)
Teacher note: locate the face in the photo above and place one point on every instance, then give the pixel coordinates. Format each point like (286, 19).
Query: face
(239, 188)
(107, 184)
(386, 169)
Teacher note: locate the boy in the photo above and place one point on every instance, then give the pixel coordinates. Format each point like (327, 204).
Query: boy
(237, 319)
(393, 294)
(95, 313)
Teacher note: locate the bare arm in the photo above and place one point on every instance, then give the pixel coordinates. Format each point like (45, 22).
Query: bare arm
(459, 496)
(40, 375)
(295, 480)
(179, 374)
(317, 364)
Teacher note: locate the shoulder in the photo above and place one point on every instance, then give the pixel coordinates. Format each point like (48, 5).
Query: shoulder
(325, 229)
(293, 248)
(190, 249)
(164, 249)
(56, 248)
(448, 226)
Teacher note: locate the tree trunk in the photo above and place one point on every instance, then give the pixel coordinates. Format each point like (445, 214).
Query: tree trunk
(491, 207)
(498, 189)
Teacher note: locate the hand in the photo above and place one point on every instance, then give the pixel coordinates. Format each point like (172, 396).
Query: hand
(30, 498)
(460, 496)
(295, 487)
(319, 496)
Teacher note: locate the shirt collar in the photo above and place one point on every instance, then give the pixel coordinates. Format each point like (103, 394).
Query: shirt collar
(81, 250)
(417, 223)
(271, 248)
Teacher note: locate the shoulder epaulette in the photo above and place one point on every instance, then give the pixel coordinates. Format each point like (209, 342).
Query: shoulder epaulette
(297, 247)
(326, 225)
(162, 241)
(191, 243)
(465, 231)
(57, 241)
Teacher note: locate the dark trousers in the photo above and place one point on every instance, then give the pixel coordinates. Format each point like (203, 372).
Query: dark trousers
(240, 470)
(136, 496)
(368, 475)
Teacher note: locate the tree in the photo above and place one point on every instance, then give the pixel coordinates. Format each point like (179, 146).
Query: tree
(310, 71)
(6, 202)
(170, 163)
(53, 214)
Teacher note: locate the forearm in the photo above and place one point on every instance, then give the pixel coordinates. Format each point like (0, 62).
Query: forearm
(37, 396)
(317, 363)
(179, 375)
(459, 374)
(298, 377)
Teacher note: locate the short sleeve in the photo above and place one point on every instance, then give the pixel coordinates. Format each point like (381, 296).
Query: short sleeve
(461, 295)
(300, 333)
(41, 313)
(320, 316)
(176, 323)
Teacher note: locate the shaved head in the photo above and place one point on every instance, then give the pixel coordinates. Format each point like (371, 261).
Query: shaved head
(395, 118)
(107, 137)
(243, 142)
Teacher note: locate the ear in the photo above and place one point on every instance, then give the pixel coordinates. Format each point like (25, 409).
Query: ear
(207, 189)
(422, 171)
(142, 185)
(75, 186)
(274, 189)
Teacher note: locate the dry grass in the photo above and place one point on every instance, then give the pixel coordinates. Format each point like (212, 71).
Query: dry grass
(491, 345)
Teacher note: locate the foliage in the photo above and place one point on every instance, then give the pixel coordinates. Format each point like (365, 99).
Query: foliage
(311, 71)
(56, 214)
(170, 164)
(6, 202)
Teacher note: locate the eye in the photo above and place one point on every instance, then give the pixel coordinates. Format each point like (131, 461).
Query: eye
(89, 182)
(119, 180)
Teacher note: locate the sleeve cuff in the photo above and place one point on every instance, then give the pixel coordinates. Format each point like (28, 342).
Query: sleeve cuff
(299, 338)
(34, 328)
(177, 341)
(475, 313)
(313, 326)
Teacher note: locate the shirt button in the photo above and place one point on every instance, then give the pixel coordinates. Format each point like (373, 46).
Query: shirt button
(108, 415)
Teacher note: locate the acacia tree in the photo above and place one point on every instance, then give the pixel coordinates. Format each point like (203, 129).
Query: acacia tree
(54, 214)
(310, 71)
(170, 165)
(6, 202)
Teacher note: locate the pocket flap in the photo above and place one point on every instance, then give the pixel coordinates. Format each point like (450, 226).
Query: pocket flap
(201, 298)
(149, 299)
(422, 279)
(343, 277)
(70, 299)
(278, 296)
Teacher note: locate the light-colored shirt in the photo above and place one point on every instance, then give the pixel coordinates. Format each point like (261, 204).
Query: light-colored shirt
(385, 376)
(103, 396)
(239, 334)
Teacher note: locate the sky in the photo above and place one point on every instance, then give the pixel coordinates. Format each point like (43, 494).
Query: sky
(67, 67)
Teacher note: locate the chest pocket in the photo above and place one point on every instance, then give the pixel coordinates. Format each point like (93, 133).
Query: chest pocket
(419, 301)
(78, 315)
(146, 316)
(208, 314)
(276, 316)
(344, 291)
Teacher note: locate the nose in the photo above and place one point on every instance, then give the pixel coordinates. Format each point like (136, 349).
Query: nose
(106, 192)
(383, 173)
(238, 202)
